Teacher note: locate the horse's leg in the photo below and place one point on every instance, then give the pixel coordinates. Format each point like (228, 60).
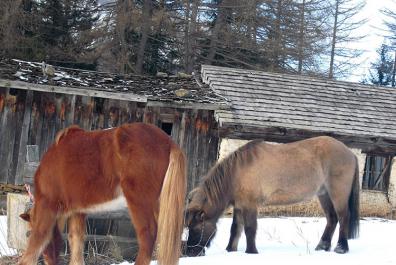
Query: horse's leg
(76, 227)
(340, 203)
(236, 230)
(143, 210)
(343, 217)
(331, 218)
(51, 252)
(42, 228)
(250, 221)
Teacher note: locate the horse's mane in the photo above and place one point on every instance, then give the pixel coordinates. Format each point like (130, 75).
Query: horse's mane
(217, 184)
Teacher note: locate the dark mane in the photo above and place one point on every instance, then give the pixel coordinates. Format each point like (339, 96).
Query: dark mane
(217, 184)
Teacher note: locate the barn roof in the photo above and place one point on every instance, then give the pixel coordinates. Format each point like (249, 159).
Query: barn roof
(175, 91)
(270, 105)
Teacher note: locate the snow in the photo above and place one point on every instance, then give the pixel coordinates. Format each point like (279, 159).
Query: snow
(4, 249)
(289, 240)
(293, 241)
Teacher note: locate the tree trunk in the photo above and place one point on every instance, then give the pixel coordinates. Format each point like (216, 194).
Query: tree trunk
(192, 38)
(146, 22)
(216, 31)
(301, 39)
(333, 41)
(277, 39)
(187, 46)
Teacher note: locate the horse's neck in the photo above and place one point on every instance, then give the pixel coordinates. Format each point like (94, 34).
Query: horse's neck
(218, 206)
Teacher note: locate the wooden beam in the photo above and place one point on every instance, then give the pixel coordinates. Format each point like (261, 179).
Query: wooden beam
(88, 91)
(373, 145)
(186, 105)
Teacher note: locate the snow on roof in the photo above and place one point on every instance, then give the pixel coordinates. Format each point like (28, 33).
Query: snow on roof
(183, 89)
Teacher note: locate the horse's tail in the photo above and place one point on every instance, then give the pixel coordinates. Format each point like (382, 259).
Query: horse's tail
(170, 219)
(354, 216)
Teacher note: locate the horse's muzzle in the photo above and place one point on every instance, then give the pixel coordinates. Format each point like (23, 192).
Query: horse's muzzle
(195, 251)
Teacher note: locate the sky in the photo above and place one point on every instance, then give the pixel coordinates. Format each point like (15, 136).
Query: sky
(374, 36)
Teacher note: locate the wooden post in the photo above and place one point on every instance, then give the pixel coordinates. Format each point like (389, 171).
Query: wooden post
(16, 227)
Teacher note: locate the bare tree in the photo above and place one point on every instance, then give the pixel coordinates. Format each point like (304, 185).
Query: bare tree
(344, 24)
(190, 34)
(311, 34)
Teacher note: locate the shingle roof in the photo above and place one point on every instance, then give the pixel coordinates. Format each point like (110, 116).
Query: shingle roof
(183, 91)
(266, 100)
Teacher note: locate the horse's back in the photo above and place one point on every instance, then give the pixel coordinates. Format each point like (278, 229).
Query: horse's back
(292, 172)
(84, 168)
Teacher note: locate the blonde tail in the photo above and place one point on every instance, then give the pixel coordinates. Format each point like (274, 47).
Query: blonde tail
(172, 198)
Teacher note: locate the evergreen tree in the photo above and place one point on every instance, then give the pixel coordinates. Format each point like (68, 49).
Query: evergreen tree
(383, 68)
(66, 30)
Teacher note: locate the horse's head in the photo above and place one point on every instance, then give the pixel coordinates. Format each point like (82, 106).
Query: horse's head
(200, 223)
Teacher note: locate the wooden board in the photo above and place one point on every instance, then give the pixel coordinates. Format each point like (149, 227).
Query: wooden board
(16, 228)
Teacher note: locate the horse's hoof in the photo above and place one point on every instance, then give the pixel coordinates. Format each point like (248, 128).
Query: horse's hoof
(231, 249)
(341, 249)
(323, 245)
(251, 251)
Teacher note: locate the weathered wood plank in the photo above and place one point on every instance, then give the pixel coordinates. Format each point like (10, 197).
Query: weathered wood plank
(8, 126)
(19, 116)
(36, 120)
(186, 105)
(233, 83)
(267, 105)
(17, 228)
(88, 92)
(306, 119)
(281, 135)
(356, 130)
(257, 94)
(4, 109)
(23, 139)
(210, 71)
(48, 129)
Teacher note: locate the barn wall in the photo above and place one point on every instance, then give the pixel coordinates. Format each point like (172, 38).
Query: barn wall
(392, 184)
(372, 203)
(34, 118)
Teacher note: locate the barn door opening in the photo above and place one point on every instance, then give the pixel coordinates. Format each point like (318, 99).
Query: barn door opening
(377, 172)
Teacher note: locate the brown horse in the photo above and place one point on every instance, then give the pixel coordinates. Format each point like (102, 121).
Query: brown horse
(137, 165)
(260, 174)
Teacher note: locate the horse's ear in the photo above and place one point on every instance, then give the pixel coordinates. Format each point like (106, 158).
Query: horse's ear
(25, 216)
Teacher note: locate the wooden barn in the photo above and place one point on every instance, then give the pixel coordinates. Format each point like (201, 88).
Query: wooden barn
(38, 100)
(283, 108)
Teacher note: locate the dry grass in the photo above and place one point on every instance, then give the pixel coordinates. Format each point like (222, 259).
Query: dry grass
(90, 258)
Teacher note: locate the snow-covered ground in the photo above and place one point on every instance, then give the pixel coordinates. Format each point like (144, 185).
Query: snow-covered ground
(293, 240)
(4, 249)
